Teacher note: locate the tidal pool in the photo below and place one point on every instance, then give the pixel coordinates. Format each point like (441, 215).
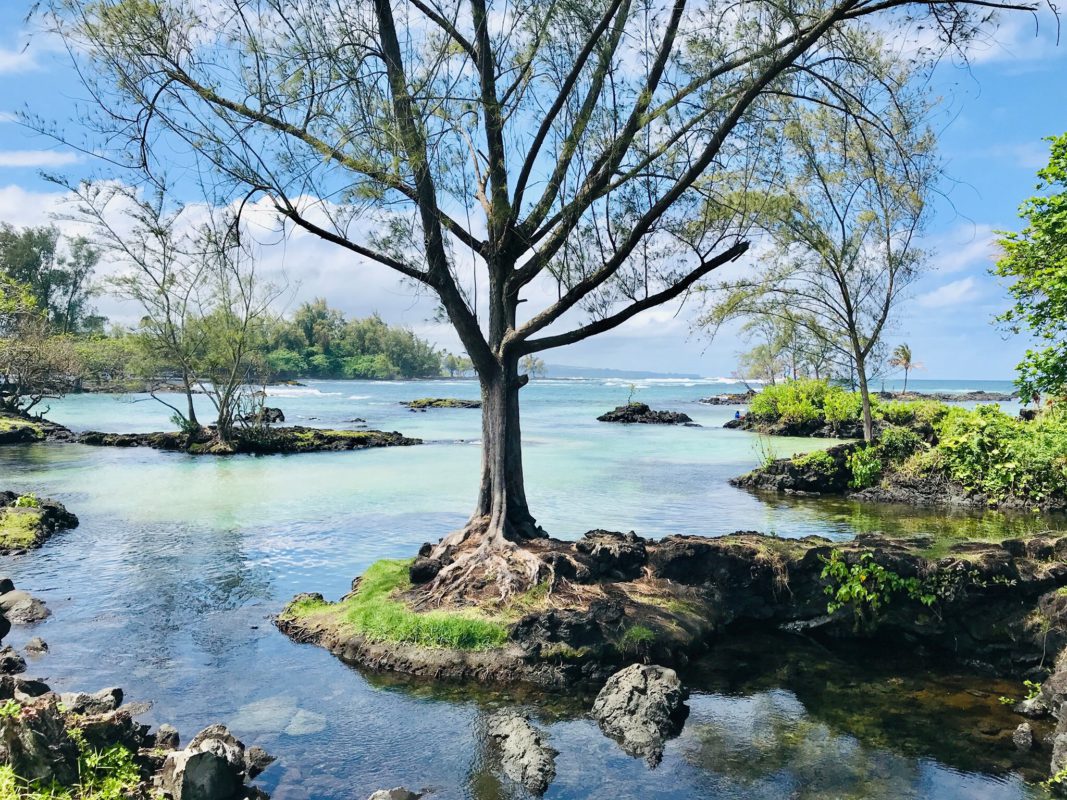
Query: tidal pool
(168, 586)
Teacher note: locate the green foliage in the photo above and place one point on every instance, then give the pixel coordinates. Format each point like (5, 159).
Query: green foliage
(27, 501)
(867, 587)
(840, 405)
(912, 412)
(819, 460)
(1035, 260)
(636, 639)
(866, 467)
(374, 611)
(10, 709)
(990, 452)
(898, 444)
(109, 774)
(319, 342)
(792, 401)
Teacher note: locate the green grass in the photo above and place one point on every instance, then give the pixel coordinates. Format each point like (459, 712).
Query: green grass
(19, 527)
(375, 612)
(109, 774)
(9, 424)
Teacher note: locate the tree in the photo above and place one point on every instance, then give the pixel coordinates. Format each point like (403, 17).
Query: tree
(902, 359)
(457, 365)
(60, 282)
(590, 142)
(852, 202)
(1035, 259)
(34, 364)
(532, 367)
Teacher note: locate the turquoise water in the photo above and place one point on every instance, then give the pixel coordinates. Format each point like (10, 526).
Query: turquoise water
(168, 586)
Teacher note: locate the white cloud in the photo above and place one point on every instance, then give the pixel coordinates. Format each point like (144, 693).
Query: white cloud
(37, 158)
(951, 294)
(963, 247)
(12, 61)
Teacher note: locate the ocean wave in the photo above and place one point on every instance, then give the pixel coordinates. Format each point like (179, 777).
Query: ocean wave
(298, 391)
(360, 396)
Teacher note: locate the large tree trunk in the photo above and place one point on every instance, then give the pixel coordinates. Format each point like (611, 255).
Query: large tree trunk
(491, 541)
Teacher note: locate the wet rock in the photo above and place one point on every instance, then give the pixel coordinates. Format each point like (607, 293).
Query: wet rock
(640, 707)
(1033, 707)
(11, 662)
(212, 767)
(398, 793)
(1023, 737)
(256, 760)
(36, 745)
(440, 402)
(21, 608)
(36, 646)
(524, 756)
(423, 570)
(97, 703)
(6, 585)
(640, 413)
(265, 415)
(167, 737)
(803, 476)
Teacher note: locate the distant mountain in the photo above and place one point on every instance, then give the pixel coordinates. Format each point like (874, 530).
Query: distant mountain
(563, 371)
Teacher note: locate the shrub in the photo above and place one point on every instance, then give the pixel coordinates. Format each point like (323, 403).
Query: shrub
(840, 405)
(865, 466)
(27, 501)
(637, 638)
(819, 460)
(897, 443)
(866, 587)
(793, 401)
(988, 451)
(913, 412)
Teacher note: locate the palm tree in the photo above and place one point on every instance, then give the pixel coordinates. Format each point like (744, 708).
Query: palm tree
(902, 359)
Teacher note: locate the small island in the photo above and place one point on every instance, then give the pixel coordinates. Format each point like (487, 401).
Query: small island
(424, 403)
(294, 439)
(640, 413)
(27, 521)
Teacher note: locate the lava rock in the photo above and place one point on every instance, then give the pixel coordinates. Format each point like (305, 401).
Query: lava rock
(36, 743)
(256, 760)
(167, 737)
(524, 756)
(640, 413)
(619, 556)
(212, 767)
(97, 703)
(11, 662)
(398, 793)
(22, 609)
(640, 707)
(424, 570)
(36, 646)
(1023, 737)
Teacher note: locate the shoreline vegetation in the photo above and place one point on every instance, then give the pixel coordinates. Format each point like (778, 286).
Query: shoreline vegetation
(925, 452)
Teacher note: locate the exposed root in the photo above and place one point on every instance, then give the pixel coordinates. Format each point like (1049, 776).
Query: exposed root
(481, 564)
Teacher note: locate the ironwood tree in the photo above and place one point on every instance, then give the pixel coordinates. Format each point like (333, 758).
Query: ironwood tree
(547, 169)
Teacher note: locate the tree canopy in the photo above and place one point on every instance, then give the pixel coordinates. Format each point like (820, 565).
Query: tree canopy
(1035, 260)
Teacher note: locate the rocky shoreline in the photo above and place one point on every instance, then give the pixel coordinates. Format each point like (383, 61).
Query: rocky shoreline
(826, 473)
(294, 439)
(424, 403)
(668, 600)
(27, 521)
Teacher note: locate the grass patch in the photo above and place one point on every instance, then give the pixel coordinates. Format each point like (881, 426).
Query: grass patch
(19, 527)
(13, 424)
(637, 638)
(375, 612)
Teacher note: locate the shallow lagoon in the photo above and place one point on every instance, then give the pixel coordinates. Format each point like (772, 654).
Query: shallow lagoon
(168, 585)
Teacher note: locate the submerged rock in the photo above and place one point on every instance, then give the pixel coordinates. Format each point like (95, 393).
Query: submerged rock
(36, 646)
(640, 413)
(640, 707)
(524, 756)
(21, 608)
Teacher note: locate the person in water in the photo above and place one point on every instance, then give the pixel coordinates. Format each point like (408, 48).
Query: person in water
(737, 415)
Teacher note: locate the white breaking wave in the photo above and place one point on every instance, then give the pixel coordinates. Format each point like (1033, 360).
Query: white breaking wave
(298, 391)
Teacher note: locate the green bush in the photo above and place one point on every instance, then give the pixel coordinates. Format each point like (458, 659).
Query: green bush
(27, 501)
(820, 461)
(865, 466)
(988, 451)
(840, 405)
(793, 401)
(912, 412)
(898, 444)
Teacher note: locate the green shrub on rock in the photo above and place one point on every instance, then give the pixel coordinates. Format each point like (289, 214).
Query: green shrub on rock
(866, 467)
(897, 443)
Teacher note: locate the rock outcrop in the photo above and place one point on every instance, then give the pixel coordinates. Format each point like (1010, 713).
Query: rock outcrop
(27, 521)
(640, 413)
(641, 707)
(524, 756)
(292, 439)
(424, 403)
(214, 766)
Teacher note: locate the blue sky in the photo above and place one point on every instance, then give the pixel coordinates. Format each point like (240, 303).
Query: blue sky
(992, 118)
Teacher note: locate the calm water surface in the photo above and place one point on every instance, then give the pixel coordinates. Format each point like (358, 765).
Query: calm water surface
(168, 586)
